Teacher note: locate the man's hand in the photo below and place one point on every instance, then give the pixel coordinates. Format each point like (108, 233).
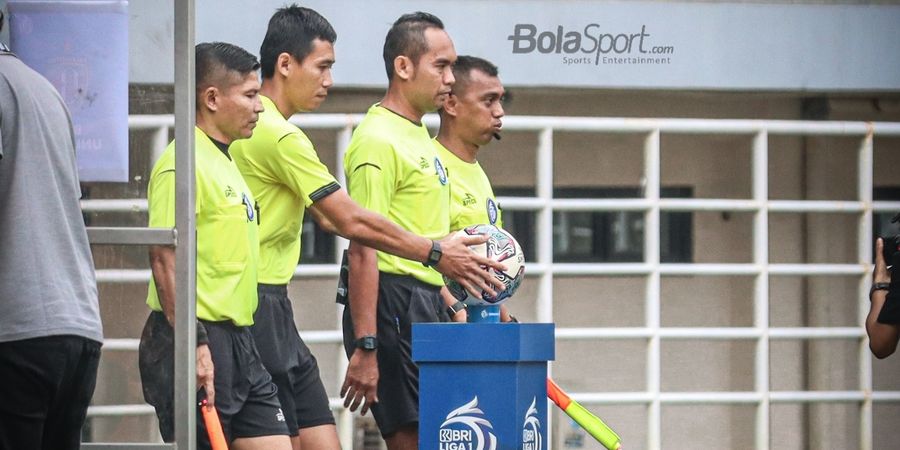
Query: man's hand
(468, 268)
(205, 374)
(361, 381)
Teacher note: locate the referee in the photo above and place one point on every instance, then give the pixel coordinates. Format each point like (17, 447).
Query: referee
(284, 173)
(227, 251)
(470, 119)
(393, 169)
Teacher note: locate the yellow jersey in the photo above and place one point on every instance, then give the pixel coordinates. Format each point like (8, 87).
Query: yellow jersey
(227, 242)
(472, 200)
(393, 169)
(283, 170)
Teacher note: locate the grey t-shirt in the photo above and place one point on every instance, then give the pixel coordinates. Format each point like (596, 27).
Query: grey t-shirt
(47, 284)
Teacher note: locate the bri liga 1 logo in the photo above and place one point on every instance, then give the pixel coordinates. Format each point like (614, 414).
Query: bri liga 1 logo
(531, 429)
(466, 428)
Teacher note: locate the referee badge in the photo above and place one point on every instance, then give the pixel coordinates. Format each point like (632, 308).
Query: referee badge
(439, 168)
(251, 213)
(492, 211)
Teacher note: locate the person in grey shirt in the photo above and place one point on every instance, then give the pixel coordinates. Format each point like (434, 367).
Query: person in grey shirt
(50, 331)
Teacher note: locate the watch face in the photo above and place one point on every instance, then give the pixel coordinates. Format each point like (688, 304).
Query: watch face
(435, 255)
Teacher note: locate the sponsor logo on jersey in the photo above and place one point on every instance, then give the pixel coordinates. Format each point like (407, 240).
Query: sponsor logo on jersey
(492, 211)
(468, 199)
(423, 163)
(439, 168)
(251, 212)
(229, 192)
(466, 428)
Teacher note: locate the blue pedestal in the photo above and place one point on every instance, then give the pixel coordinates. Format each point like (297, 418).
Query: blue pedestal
(482, 386)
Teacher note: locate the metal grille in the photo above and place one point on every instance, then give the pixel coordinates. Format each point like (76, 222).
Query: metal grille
(544, 269)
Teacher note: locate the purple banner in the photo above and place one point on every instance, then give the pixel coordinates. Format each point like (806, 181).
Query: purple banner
(82, 48)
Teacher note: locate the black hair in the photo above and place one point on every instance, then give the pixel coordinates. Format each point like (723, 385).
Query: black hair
(463, 68)
(407, 38)
(215, 60)
(292, 29)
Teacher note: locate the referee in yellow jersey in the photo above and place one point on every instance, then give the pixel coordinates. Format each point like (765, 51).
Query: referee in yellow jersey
(284, 172)
(470, 118)
(393, 169)
(227, 251)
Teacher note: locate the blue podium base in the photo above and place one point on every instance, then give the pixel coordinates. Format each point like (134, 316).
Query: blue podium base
(483, 385)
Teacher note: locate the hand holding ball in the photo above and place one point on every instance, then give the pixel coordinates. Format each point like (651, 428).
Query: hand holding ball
(503, 248)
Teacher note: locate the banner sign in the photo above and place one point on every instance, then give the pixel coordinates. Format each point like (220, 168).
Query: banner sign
(748, 46)
(82, 48)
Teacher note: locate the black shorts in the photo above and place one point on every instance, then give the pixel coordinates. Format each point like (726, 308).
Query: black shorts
(46, 387)
(246, 398)
(293, 367)
(402, 301)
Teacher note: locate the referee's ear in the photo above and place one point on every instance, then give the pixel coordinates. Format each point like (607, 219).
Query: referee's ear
(404, 68)
(283, 64)
(450, 104)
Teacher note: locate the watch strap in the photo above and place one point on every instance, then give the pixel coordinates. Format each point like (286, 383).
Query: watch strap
(878, 287)
(367, 343)
(434, 256)
(455, 308)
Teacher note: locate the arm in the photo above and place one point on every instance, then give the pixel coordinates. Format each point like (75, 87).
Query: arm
(449, 300)
(505, 316)
(882, 337)
(374, 230)
(361, 380)
(323, 221)
(162, 267)
(297, 166)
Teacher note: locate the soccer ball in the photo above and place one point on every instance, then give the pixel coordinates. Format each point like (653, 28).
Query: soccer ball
(502, 247)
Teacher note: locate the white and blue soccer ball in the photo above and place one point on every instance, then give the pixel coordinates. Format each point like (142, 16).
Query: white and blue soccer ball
(502, 247)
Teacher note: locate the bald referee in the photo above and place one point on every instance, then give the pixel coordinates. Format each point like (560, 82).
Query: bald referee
(283, 171)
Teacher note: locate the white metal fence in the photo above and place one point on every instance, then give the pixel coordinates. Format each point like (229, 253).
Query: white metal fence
(544, 204)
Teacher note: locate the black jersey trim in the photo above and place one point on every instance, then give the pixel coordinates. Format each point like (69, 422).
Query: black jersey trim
(364, 165)
(324, 191)
(418, 124)
(223, 147)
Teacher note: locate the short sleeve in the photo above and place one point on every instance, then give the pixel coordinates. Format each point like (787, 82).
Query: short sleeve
(161, 200)
(371, 174)
(297, 165)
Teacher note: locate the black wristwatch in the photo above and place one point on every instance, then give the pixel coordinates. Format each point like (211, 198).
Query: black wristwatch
(878, 287)
(434, 256)
(367, 343)
(455, 308)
